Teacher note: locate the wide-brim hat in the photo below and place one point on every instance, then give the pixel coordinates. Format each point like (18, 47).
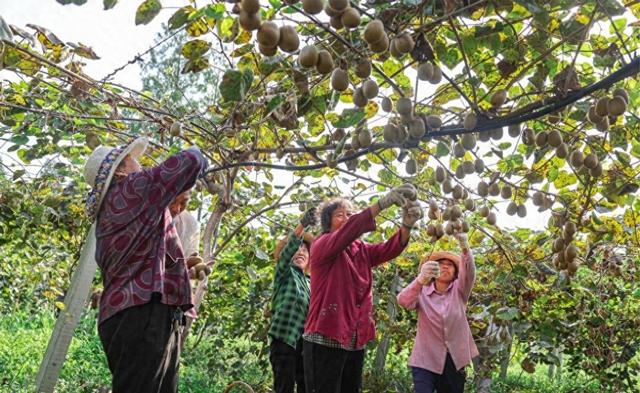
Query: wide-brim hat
(439, 255)
(102, 165)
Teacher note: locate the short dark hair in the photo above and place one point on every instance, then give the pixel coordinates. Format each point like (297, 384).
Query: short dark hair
(327, 209)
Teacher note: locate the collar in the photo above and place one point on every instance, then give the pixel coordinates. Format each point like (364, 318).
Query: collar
(432, 288)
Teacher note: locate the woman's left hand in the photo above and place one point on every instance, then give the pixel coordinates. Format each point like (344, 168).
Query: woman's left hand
(463, 241)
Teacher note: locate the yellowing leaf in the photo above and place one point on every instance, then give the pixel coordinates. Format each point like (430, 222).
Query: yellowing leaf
(148, 10)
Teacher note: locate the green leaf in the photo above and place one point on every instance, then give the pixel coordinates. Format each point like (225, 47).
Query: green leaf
(507, 314)
(349, 118)
(195, 65)
(147, 11)
(195, 48)
(442, 149)
(109, 4)
(235, 84)
(273, 103)
(180, 17)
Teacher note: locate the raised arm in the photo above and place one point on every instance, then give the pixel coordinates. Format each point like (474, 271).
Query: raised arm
(467, 269)
(408, 297)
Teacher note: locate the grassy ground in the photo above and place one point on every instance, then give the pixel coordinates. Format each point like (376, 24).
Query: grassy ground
(209, 368)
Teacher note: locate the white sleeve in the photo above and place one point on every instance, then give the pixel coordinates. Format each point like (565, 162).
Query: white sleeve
(188, 232)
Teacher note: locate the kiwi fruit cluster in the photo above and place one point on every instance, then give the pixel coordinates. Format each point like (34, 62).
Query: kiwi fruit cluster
(605, 110)
(430, 73)
(565, 252)
(401, 44)
(250, 18)
(341, 14)
(310, 56)
(270, 37)
(449, 220)
(375, 36)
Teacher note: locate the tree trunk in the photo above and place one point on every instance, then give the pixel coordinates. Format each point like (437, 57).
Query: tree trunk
(506, 354)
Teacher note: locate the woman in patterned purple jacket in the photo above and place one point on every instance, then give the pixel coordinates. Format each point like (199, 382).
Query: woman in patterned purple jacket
(146, 284)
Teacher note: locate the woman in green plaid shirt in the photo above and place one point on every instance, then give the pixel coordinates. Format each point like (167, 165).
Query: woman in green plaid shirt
(289, 306)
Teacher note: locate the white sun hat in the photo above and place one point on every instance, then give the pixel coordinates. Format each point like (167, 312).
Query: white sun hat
(102, 165)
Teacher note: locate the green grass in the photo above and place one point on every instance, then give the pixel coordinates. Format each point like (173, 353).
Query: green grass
(211, 366)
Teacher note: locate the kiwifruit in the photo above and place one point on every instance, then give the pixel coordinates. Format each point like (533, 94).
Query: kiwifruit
(499, 98)
(576, 159)
(478, 166)
(439, 230)
(497, 133)
(351, 18)
(460, 172)
(363, 69)
(359, 99)
(484, 211)
(554, 118)
(411, 166)
(446, 214)
(308, 56)
(268, 35)
(417, 128)
(355, 142)
(558, 245)
(370, 89)
(457, 224)
(390, 133)
(470, 204)
(597, 171)
(494, 189)
(267, 51)
(336, 22)
(465, 226)
(572, 267)
(449, 229)
(562, 151)
(457, 191)
(537, 198)
(470, 121)
(338, 134)
(483, 189)
(404, 43)
(506, 192)
(374, 32)
(352, 165)
(437, 75)
(425, 71)
(603, 125)
(512, 208)
(434, 122)
(250, 6)
(364, 137)
(591, 161)
(447, 186)
(528, 136)
(175, 130)
(440, 174)
(456, 212)
(433, 205)
(484, 136)
(380, 46)
(570, 253)
(325, 62)
(431, 230)
(468, 141)
(339, 79)
(393, 49)
(570, 227)
(554, 138)
(541, 139)
(332, 12)
(248, 21)
(620, 92)
(339, 5)
(289, 41)
(616, 106)
(468, 167)
(522, 211)
(404, 106)
(602, 109)
(491, 218)
(592, 116)
(387, 104)
(93, 141)
(458, 150)
(313, 6)
(514, 130)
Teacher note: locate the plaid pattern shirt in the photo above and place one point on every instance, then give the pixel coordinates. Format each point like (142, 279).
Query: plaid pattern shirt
(318, 338)
(290, 301)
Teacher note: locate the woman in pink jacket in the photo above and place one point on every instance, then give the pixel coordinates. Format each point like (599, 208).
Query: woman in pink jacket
(443, 344)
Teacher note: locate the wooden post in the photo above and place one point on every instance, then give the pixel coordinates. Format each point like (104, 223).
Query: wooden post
(74, 302)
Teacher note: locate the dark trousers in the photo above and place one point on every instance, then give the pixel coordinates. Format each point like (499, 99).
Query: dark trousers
(142, 348)
(286, 363)
(332, 370)
(451, 381)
